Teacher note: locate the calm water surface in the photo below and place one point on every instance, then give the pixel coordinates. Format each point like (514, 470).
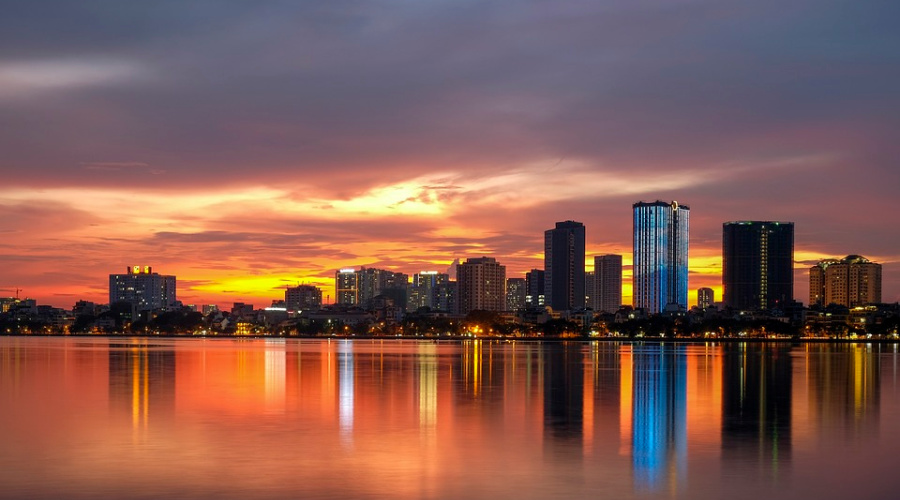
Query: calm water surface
(220, 418)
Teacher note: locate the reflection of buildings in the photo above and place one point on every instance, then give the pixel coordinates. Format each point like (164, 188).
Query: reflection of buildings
(428, 386)
(844, 386)
(563, 390)
(345, 387)
(659, 414)
(756, 406)
(141, 377)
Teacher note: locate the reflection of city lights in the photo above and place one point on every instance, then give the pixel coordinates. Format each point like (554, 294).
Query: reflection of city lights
(345, 384)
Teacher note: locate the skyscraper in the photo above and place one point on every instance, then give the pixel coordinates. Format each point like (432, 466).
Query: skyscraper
(481, 285)
(606, 291)
(852, 281)
(564, 266)
(660, 255)
(144, 289)
(706, 297)
(757, 264)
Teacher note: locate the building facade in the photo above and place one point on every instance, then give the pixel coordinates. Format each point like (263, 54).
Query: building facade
(758, 264)
(515, 294)
(661, 232)
(706, 297)
(606, 286)
(534, 288)
(143, 289)
(303, 298)
(564, 266)
(481, 284)
(424, 289)
(346, 287)
(852, 281)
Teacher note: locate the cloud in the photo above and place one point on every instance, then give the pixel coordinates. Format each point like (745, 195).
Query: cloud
(289, 139)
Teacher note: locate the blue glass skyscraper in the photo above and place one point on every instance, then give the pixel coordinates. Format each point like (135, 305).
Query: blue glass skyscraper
(660, 255)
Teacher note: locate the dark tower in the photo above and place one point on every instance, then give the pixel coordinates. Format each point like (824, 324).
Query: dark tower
(564, 266)
(757, 264)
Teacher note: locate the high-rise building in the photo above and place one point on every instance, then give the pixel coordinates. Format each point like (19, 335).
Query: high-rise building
(423, 292)
(706, 297)
(303, 298)
(758, 264)
(360, 287)
(144, 289)
(606, 286)
(515, 294)
(852, 281)
(564, 266)
(481, 285)
(445, 297)
(590, 290)
(661, 255)
(374, 282)
(534, 288)
(346, 287)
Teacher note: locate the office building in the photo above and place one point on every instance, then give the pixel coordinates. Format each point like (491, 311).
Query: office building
(143, 289)
(481, 285)
(706, 297)
(852, 281)
(757, 264)
(605, 288)
(661, 233)
(564, 266)
(534, 288)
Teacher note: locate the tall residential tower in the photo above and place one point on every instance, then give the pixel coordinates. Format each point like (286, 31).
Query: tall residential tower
(606, 290)
(852, 281)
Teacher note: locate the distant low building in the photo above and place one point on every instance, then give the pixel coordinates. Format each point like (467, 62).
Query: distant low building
(303, 298)
(143, 289)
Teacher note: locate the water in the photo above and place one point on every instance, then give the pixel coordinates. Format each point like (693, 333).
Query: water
(221, 418)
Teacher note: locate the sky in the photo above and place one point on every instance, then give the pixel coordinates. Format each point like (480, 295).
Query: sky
(248, 146)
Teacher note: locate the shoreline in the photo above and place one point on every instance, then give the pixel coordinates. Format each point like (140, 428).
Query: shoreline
(684, 340)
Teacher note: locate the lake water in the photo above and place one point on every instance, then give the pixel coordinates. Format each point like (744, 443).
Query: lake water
(221, 418)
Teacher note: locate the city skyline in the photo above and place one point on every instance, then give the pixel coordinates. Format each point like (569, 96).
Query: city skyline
(247, 148)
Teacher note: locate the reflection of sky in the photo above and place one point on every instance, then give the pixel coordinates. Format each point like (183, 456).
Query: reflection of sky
(659, 438)
(345, 384)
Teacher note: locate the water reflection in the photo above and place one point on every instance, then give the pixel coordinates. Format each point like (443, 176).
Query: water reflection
(141, 378)
(756, 404)
(659, 415)
(275, 418)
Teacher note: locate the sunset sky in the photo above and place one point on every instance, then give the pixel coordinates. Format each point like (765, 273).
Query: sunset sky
(246, 146)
